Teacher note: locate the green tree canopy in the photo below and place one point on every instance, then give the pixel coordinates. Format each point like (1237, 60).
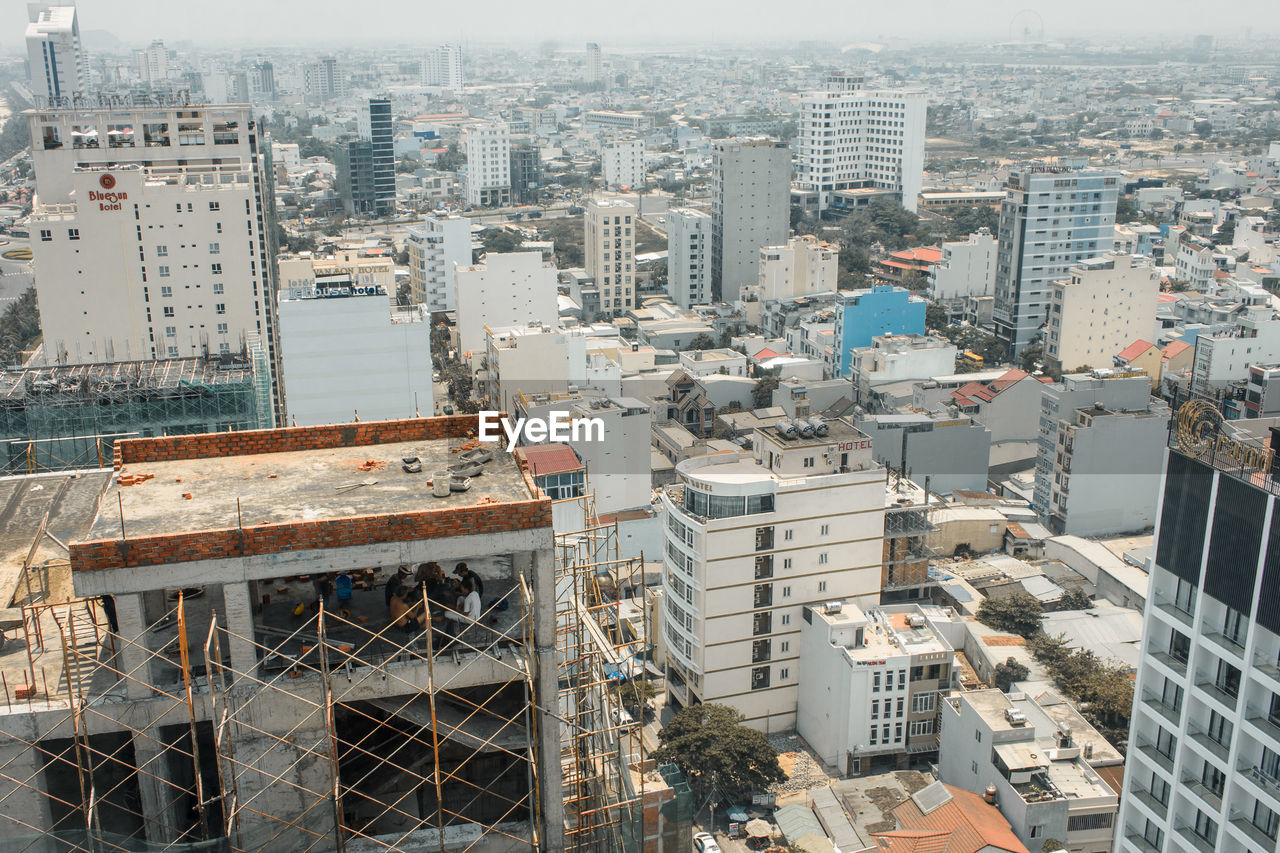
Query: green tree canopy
(500, 240)
(1018, 613)
(701, 341)
(762, 393)
(1075, 599)
(712, 747)
(1005, 674)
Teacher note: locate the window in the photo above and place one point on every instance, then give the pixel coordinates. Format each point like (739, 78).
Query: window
(162, 251)
(1233, 625)
(901, 702)
(166, 291)
(168, 310)
(763, 594)
(874, 732)
(215, 248)
(897, 732)
(1184, 597)
(1159, 789)
(164, 272)
(217, 288)
(786, 617)
(977, 735)
(764, 538)
(1228, 679)
(1164, 742)
(786, 562)
(784, 672)
(761, 651)
(213, 205)
(173, 352)
(923, 703)
(1219, 729)
(786, 593)
(921, 727)
(1037, 830)
(759, 678)
(216, 269)
(822, 558)
(1265, 819)
(888, 680)
(222, 328)
(786, 535)
(764, 566)
(824, 530)
(170, 331)
(73, 233)
(1213, 778)
(46, 236)
(1179, 646)
(1206, 827)
(875, 683)
(875, 709)
(220, 308)
(762, 623)
(822, 586)
(1153, 835)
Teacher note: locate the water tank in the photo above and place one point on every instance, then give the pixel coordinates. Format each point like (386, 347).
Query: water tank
(786, 428)
(819, 426)
(806, 428)
(990, 794)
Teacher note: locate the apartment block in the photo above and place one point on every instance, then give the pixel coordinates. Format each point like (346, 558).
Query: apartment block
(622, 164)
(688, 257)
(611, 254)
(437, 247)
(749, 209)
(802, 266)
(507, 289)
(1105, 304)
(488, 147)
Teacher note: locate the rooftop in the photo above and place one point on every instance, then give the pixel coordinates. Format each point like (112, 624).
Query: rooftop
(121, 378)
(945, 819)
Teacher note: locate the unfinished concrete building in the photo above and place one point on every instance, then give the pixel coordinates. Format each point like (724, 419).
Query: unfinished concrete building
(230, 708)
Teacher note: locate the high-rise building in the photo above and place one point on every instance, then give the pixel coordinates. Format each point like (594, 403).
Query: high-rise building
(1051, 220)
(750, 197)
(437, 247)
(609, 248)
(376, 128)
(622, 164)
(594, 71)
(1107, 303)
(1203, 764)
(325, 80)
(355, 176)
(153, 63)
(262, 82)
(508, 288)
(151, 234)
(750, 541)
(488, 146)
(802, 266)
(442, 68)
(688, 257)
(849, 138)
(526, 172)
(56, 59)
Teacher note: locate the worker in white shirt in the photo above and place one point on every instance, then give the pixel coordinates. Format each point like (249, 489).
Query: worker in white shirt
(469, 605)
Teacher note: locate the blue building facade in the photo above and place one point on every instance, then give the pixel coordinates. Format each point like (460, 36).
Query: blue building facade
(865, 314)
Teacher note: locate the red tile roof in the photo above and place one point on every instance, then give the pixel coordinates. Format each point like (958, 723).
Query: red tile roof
(767, 353)
(923, 254)
(965, 824)
(547, 459)
(971, 392)
(1134, 350)
(1174, 348)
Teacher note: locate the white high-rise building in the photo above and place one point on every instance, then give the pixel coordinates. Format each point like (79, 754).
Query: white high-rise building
(609, 248)
(153, 63)
(148, 234)
(56, 59)
(436, 248)
(1050, 220)
(325, 79)
(442, 68)
(622, 164)
(688, 257)
(507, 289)
(1202, 772)
(750, 541)
(1108, 303)
(594, 71)
(801, 266)
(488, 146)
(850, 137)
(750, 208)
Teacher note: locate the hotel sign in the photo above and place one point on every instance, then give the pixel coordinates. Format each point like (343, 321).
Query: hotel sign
(107, 198)
(1198, 430)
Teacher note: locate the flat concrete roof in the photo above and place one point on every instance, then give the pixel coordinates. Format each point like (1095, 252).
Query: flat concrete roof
(295, 486)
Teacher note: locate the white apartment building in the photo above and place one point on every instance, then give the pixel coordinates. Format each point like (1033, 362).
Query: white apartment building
(54, 56)
(1223, 359)
(594, 71)
(326, 79)
(849, 137)
(871, 683)
(1042, 760)
(688, 257)
(346, 354)
(967, 268)
(610, 253)
(537, 360)
(622, 164)
(751, 538)
(488, 146)
(1051, 219)
(1203, 765)
(148, 234)
(750, 208)
(437, 247)
(802, 266)
(1108, 303)
(153, 63)
(506, 290)
(441, 68)
(287, 154)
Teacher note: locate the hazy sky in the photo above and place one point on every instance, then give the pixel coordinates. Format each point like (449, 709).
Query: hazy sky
(611, 22)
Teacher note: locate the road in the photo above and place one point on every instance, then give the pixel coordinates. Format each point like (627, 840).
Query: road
(15, 276)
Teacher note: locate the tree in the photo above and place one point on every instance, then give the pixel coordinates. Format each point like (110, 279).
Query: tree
(408, 165)
(450, 160)
(499, 240)
(1005, 674)
(718, 754)
(1125, 210)
(1030, 356)
(968, 219)
(935, 316)
(634, 695)
(1075, 599)
(915, 281)
(762, 393)
(1203, 129)
(1018, 613)
(19, 326)
(701, 341)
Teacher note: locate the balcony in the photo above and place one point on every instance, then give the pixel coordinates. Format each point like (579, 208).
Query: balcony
(1177, 664)
(1197, 842)
(1216, 749)
(1268, 666)
(1203, 791)
(1225, 643)
(1252, 832)
(1171, 714)
(1269, 726)
(1260, 777)
(1224, 696)
(1156, 756)
(1148, 800)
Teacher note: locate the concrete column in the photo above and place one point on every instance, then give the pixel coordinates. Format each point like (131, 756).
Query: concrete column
(238, 619)
(546, 689)
(133, 659)
(157, 796)
(23, 800)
